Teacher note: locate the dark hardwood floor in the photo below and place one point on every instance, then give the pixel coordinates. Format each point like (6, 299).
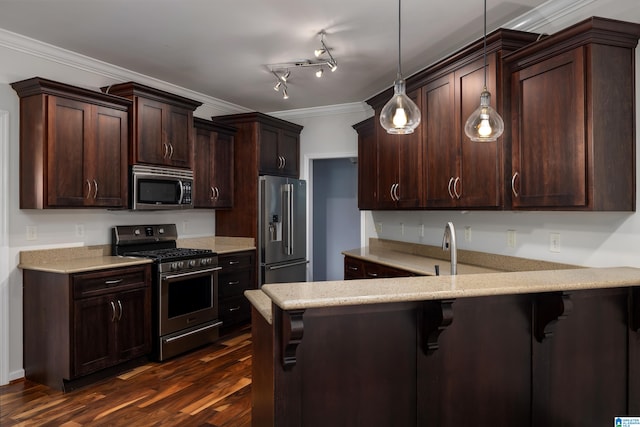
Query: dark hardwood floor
(210, 386)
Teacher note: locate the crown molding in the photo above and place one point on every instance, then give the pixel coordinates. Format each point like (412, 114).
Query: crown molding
(327, 110)
(546, 13)
(39, 49)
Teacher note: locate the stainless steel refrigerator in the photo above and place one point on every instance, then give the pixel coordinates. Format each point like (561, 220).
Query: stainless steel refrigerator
(282, 238)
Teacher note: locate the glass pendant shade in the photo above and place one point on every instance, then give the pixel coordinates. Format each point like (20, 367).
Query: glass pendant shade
(400, 115)
(484, 124)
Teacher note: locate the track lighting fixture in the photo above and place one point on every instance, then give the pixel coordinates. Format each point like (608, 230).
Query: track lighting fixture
(282, 71)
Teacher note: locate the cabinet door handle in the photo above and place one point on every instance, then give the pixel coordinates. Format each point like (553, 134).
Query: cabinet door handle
(166, 150)
(451, 180)
(170, 150)
(119, 310)
(395, 192)
(95, 191)
(113, 311)
(455, 187)
(217, 196)
(112, 282)
(513, 184)
(284, 162)
(213, 193)
(88, 189)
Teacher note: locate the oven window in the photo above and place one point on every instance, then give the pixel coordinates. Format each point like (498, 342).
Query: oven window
(188, 296)
(158, 191)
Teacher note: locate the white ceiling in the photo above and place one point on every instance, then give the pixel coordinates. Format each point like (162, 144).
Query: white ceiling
(221, 48)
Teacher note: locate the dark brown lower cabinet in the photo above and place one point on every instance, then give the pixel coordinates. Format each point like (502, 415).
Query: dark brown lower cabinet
(237, 275)
(551, 359)
(356, 268)
(82, 326)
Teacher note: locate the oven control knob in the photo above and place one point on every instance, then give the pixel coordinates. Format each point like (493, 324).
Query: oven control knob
(192, 263)
(180, 264)
(205, 261)
(174, 266)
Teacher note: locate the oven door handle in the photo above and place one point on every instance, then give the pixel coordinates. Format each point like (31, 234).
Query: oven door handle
(191, 273)
(214, 325)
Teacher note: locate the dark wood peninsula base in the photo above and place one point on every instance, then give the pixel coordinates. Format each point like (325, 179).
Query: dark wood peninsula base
(567, 358)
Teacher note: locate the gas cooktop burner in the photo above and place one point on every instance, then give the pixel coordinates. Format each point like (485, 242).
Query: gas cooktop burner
(171, 254)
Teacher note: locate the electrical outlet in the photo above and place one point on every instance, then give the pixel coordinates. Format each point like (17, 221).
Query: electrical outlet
(511, 238)
(378, 227)
(467, 233)
(32, 232)
(554, 242)
(79, 230)
(421, 230)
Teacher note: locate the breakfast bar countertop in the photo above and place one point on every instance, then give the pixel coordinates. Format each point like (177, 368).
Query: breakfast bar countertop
(295, 296)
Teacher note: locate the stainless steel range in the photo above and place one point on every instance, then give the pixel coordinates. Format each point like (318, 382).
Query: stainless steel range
(185, 288)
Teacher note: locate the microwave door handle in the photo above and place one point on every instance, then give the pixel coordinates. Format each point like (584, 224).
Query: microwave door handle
(181, 191)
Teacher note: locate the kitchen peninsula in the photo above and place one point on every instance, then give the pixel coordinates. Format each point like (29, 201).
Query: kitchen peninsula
(539, 348)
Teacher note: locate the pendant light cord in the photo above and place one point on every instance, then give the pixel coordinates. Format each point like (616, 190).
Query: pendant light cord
(485, 43)
(399, 31)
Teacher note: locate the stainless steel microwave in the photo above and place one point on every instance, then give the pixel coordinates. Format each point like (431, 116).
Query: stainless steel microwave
(156, 188)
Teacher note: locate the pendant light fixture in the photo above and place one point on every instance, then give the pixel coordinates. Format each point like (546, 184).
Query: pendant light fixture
(484, 124)
(400, 115)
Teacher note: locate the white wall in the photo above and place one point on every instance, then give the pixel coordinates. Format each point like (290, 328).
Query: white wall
(586, 238)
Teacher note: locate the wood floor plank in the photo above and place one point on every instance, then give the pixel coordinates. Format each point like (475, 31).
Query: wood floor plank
(209, 387)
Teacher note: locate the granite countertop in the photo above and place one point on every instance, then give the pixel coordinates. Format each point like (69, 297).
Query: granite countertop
(417, 264)
(75, 260)
(90, 258)
(261, 302)
(303, 295)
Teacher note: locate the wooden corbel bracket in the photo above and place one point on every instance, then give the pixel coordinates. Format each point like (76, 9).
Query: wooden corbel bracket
(436, 317)
(548, 309)
(292, 331)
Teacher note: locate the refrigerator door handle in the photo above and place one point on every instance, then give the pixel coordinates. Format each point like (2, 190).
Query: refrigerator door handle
(288, 220)
(278, 267)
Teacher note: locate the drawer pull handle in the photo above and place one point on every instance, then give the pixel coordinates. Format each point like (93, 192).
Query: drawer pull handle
(233, 282)
(112, 282)
(234, 309)
(234, 262)
(372, 274)
(353, 268)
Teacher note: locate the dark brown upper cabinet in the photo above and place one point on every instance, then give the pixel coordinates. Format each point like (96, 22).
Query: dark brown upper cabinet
(573, 119)
(367, 164)
(162, 125)
(73, 146)
(438, 166)
(213, 164)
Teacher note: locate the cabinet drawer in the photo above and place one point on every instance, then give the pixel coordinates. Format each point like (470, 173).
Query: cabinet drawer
(235, 282)
(353, 269)
(234, 310)
(238, 260)
(102, 282)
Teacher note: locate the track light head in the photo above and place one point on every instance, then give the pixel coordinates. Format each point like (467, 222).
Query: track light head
(333, 65)
(285, 95)
(319, 72)
(277, 86)
(285, 76)
(318, 52)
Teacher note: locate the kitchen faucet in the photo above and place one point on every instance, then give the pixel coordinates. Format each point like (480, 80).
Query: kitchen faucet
(449, 243)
